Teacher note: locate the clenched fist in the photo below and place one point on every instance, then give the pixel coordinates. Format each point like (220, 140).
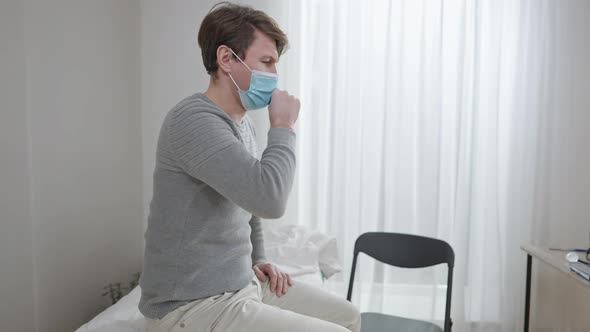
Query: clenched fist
(283, 110)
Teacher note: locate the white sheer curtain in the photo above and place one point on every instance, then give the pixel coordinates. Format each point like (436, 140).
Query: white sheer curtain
(424, 117)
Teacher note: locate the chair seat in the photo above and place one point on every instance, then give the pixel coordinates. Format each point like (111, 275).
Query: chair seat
(376, 322)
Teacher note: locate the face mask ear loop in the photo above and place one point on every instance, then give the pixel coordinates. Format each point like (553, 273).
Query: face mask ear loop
(240, 60)
(232, 79)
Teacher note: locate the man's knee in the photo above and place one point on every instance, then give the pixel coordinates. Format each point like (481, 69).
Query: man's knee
(352, 317)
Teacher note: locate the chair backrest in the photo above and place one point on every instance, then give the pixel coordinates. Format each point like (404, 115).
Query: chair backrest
(408, 251)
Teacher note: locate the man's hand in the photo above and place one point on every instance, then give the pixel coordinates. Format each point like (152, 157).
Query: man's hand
(279, 281)
(283, 110)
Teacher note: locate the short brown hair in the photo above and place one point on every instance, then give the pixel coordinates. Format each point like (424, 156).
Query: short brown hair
(234, 26)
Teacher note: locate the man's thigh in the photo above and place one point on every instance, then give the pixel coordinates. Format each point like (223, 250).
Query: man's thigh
(255, 316)
(242, 311)
(315, 302)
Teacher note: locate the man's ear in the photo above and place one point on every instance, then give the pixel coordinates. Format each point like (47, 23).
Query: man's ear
(224, 57)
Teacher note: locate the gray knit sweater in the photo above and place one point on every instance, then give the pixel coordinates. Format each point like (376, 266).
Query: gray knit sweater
(210, 191)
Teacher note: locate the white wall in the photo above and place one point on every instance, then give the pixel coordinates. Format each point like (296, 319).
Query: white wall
(565, 161)
(563, 209)
(83, 95)
(16, 240)
(71, 159)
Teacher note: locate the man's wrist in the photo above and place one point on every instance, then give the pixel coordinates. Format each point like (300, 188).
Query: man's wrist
(285, 126)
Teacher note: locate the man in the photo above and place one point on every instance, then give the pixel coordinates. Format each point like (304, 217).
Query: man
(204, 265)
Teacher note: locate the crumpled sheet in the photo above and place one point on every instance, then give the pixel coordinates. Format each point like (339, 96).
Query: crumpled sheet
(298, 250)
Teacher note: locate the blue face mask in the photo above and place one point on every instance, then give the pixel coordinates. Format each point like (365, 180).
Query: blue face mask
(262, 84)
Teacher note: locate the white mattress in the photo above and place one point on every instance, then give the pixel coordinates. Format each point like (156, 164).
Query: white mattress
(306, 255)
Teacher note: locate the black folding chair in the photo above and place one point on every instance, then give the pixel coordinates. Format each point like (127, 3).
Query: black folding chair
(407, 251)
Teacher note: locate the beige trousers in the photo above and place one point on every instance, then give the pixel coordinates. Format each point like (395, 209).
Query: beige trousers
(255, 308)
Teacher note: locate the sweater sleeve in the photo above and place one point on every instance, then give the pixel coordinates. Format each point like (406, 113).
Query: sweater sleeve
(206, 148)
(257, 239)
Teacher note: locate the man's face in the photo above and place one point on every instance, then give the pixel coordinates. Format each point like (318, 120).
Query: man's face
(262, 55)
